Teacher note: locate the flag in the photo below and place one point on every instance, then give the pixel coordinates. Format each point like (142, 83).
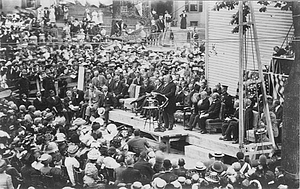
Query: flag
(278, 82)
(139, 8)
(268, 84)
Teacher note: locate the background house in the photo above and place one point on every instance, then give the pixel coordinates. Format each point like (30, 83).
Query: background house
(222, 58)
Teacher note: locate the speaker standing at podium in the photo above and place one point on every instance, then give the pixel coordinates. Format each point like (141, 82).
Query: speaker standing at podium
(168, 113)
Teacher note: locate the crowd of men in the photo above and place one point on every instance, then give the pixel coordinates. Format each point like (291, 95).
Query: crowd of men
(61, 136)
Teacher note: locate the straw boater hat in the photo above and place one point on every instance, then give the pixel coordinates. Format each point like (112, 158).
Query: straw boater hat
(200, 166)
(72, 149)
(60, 137)
(212, 178)
(217, 154)
(136, 185)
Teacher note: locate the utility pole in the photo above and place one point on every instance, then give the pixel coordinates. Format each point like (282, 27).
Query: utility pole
(241, 76)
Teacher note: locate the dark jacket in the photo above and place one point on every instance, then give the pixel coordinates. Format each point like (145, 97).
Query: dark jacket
(169, 92)
(40, 104)
(107, 100)
(79, 97)
(145, 169)
(130, 175)
(214, 109)
(55, 103)
(204, 106)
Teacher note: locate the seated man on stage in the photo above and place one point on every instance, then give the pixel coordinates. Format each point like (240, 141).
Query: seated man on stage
(107, 101)
(91, 96)
(231, 126)
(117, 89)
(212, 113)
(145, 92)
(201, 106)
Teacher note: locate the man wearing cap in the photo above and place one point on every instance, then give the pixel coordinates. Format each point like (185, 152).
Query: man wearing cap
(227, 99)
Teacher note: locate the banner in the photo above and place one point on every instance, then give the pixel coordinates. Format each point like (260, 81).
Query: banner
(139, 8)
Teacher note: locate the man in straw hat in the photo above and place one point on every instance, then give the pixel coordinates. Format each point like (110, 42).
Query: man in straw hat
(71, 162)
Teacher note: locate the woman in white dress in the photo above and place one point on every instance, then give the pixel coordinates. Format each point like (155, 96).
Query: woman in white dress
(52, 14)
(100, 17)
(95, 17)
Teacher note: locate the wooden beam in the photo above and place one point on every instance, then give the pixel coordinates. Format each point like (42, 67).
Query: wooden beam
(261, 76)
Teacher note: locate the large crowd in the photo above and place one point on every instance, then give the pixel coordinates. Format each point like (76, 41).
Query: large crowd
(61, 136)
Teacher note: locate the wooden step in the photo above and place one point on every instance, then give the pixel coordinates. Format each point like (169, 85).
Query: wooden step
(197, 152)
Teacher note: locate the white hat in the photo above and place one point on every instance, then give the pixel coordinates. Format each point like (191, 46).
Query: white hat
(101, 111)
(159, 183)
(93, 154)
(99, 120)
(60, 137)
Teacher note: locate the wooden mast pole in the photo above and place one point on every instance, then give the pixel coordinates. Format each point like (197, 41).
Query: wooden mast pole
(261, 76)
(241, 76)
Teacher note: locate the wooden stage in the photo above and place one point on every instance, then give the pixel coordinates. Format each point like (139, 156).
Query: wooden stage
(200, 145)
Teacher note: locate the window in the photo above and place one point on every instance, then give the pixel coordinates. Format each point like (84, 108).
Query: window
(193, 23)
(200, 6)
(193, 6)
(31, 3)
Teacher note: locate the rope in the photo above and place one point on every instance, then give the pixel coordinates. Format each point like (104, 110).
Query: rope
(287, 35)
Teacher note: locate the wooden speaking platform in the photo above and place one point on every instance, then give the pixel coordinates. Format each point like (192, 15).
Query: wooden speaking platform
(199, 144)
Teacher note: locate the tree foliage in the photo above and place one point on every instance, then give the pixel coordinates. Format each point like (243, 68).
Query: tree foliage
(230, 5)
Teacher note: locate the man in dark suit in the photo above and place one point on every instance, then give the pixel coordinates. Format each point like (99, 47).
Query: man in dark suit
(144, 167)
(23, 83)
(117, 89)
(127, 82)
(212, 113)
(110, 82)
(54, 102)
(40, 103)
(67, 102)
(227, 99)
(78, 96)
(24, 101)
(107, 101)
(201, 106)
(168, 113)
(161, 28)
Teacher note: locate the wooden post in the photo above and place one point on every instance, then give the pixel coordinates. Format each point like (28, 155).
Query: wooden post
(80, 84)
(206, 4)
(261, 76)
(241, 76)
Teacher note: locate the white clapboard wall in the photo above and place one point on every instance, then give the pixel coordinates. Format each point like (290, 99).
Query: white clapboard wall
(222, 63)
